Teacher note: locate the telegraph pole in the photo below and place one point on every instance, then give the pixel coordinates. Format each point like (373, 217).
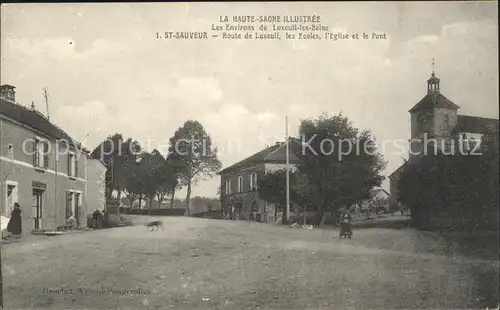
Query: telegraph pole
(287, 214)
(1, 278)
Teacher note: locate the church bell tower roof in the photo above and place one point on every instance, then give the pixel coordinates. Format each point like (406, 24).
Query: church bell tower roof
(434, 98)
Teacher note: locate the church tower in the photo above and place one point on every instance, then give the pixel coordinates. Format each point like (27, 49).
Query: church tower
(432, 119)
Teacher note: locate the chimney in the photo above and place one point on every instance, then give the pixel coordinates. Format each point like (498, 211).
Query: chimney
(7, 92)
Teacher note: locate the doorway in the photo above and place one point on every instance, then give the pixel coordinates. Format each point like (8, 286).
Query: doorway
(11, 198)
(37, 205)
(73, 206)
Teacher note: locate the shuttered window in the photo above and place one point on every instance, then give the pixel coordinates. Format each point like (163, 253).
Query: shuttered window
(240, 184)
(40, 153)
(76, 167)
(46, 154)
(253, 181)
(35, 152)
(69, 165)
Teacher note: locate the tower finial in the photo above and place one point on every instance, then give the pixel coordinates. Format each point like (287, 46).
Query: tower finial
(433, 74)
(433, 82)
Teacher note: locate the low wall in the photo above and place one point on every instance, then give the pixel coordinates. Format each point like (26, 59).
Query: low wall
(156, 212)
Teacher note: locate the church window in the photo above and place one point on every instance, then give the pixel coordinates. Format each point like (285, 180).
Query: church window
(446, 121)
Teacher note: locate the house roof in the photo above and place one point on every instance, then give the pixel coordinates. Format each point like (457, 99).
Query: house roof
(434, 99)
(35, 120)
(269, 154)
(374, 192)
(100, 161)
(397, 170)
(475, 124)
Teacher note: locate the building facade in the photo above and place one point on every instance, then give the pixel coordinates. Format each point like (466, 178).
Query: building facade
(41, 167)
(239, 184)
(436, 125)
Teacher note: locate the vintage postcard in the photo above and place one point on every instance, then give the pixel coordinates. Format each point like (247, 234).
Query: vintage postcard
(249, 155)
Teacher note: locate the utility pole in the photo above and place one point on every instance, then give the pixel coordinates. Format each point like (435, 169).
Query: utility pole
(1, 279)
(46, 96)
(287, 214)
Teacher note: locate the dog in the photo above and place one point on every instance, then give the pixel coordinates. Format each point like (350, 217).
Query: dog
(154, 224)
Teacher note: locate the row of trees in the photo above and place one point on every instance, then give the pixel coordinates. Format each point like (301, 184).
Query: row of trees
(340, 165)
(142, 175)
(326, 181)
(454, 191)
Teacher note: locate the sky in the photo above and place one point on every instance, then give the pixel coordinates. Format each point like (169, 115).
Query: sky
(106, 71)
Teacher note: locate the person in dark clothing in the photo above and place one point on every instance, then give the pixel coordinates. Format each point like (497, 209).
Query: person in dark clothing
(14, 226)
(97, 216)
(345, 222)
(209, 207)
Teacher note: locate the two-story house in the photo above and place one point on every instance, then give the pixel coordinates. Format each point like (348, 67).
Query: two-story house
(41, 167)
(239, 183)
(435, 123)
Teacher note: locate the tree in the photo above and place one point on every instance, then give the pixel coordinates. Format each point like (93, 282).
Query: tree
(272, 188)
(119, 155)
(191, 147)
(135, 182)
(342, 164)
(457, 191)
(150, 166)
(165, 176)
(173, 167)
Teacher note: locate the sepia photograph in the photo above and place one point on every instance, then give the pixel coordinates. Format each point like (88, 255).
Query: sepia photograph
(249, 155)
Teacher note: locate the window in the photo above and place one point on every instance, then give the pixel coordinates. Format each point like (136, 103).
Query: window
(10, 151)
(72, 165)
(40, 153)
(446, 121)
(240, 184)
(228, 187)
(253, 181)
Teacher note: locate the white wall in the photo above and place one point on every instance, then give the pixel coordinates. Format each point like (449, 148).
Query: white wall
(96, 186)
(276, 167)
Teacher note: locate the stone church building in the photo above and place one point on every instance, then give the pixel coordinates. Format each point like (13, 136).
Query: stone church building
(435, 123)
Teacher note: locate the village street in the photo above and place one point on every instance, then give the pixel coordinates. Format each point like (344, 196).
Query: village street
(205, 264)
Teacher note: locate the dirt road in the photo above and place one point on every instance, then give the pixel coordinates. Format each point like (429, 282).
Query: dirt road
(216, 264)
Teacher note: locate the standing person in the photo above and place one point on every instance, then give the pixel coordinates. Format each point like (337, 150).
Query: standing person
(346, 222)
(104, 218)
(97, 216)
(71, 221)
(209, 207)
(15, 225)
